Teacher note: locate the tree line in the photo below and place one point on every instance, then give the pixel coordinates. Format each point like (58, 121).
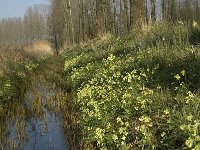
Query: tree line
(16, 32)
(75, 21)
(68, 22)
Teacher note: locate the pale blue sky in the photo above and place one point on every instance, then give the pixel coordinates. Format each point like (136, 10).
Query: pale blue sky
(17, 8)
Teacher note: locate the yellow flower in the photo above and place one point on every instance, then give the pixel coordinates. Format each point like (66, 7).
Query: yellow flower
(189, 118)
(114, 137)
(183, 73)
(166, 112)
(177, 77)
(195, 24)
(163, 134)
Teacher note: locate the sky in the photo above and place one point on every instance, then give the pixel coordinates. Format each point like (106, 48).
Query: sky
(17, 8)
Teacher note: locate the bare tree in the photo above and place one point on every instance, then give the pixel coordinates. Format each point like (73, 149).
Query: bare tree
(80, 20)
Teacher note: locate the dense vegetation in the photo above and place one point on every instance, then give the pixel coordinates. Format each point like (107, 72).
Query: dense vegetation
(128, 70)
(17, 71)
(139, 91)
(77, 21)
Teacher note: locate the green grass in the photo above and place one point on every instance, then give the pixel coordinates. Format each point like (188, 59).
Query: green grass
(138, 91)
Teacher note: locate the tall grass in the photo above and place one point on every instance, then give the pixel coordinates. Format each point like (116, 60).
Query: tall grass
(17, 69)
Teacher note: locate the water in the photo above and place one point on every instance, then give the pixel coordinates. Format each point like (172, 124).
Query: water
(45, 133)
(35, 123)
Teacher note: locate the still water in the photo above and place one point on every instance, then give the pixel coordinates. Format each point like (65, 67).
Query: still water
(34, 123)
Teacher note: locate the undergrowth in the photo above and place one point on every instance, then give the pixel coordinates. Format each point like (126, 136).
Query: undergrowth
(16, 75)
(139, 91)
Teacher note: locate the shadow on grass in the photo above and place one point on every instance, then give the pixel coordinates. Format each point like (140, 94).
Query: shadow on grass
(165, 75)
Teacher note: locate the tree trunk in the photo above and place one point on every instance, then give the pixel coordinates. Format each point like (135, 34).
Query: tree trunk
(153, 11)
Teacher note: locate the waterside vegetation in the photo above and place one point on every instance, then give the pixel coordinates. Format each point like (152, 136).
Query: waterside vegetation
(123, 74)
(138, 91)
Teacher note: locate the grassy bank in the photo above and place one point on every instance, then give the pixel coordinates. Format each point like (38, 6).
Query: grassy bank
(17, 71)
(30, 91)
(139, 91)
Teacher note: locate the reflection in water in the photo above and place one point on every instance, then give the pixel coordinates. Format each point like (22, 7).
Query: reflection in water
(34, 124)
